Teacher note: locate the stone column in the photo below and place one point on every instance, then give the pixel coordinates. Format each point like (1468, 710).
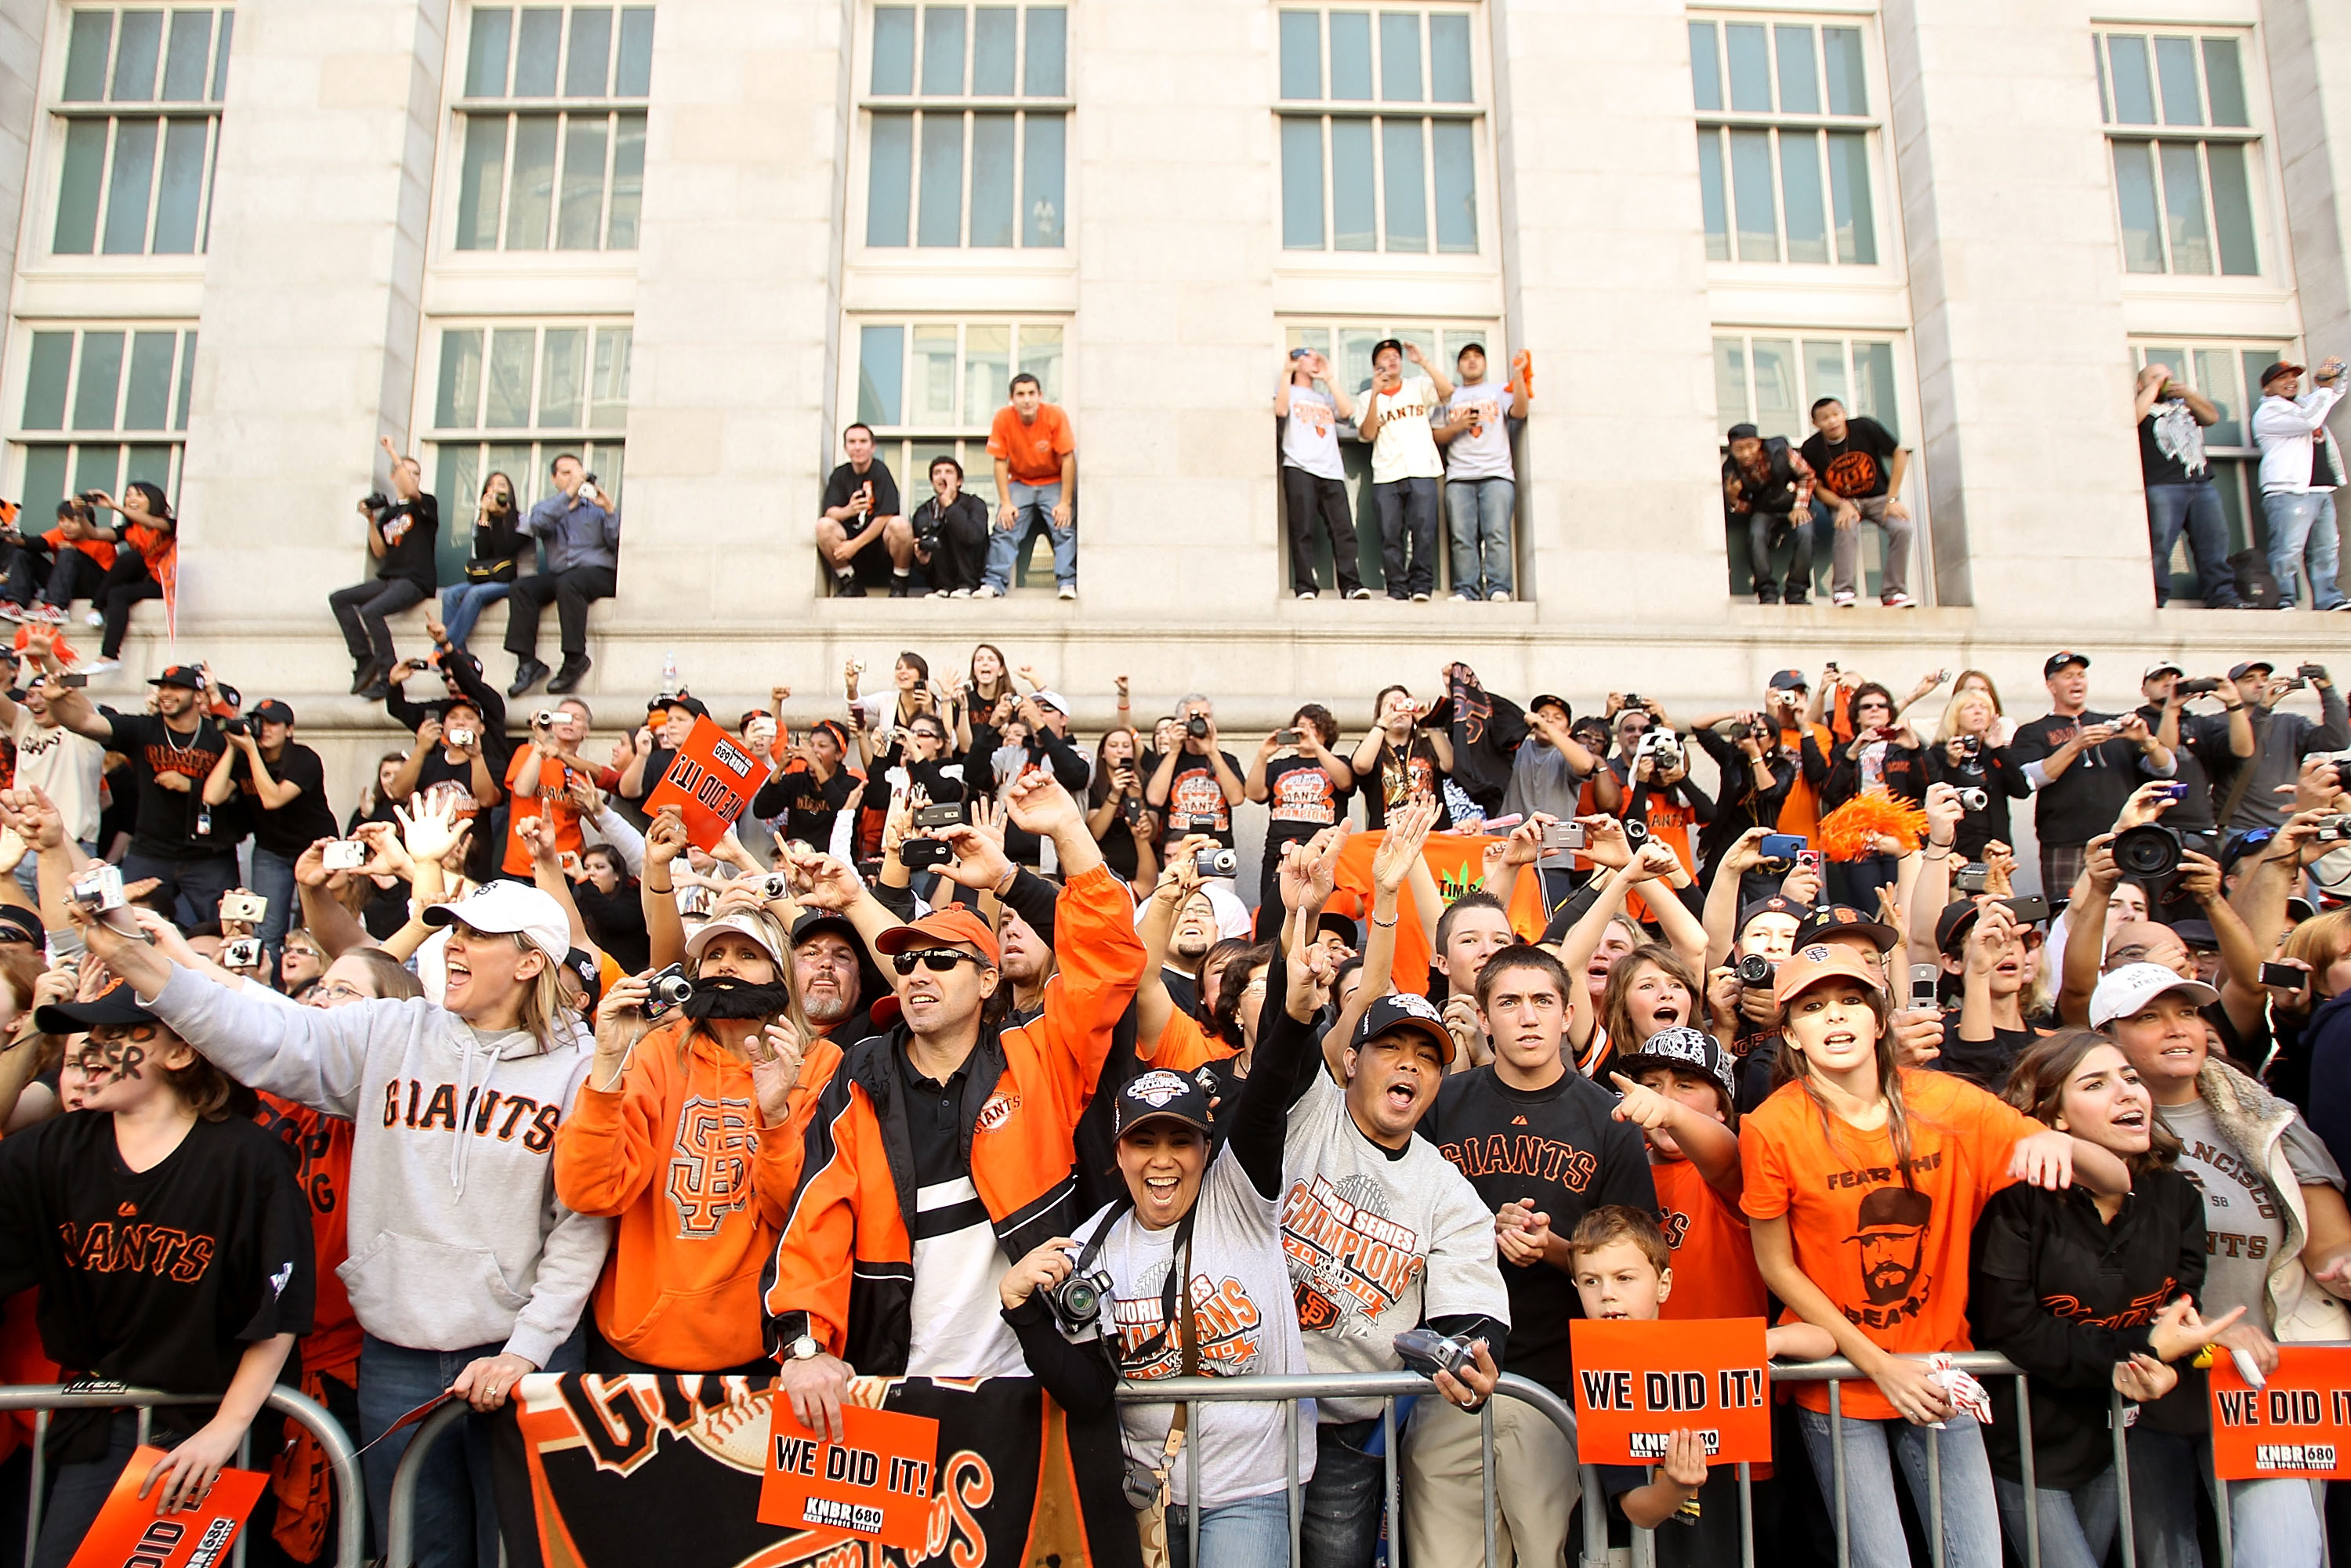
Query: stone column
(21, 25)
(2309, 58)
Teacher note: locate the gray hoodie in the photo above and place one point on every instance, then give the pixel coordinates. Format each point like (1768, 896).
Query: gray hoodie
(444, 1256)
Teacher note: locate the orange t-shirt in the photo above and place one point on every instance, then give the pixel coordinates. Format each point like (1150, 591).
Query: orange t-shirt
(1033, 452)
(1893, 1259)
(1714, 1261)
(99, 550)
(553, 778)
(1801, 812)
(321, 1146)
(1183, 1046)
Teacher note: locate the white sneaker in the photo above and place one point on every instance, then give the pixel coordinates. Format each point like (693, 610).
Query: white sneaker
(1361, 593)
(988, 591)
(959, 592)
(1899, 601)
(1067, 591)
(1464, 596)
(94, 619)
(1302, 594)
(1842, 601)
(1420, 598)
(1500, 596)
(99, 666)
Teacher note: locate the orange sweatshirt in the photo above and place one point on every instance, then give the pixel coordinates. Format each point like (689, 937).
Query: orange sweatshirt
(676, 1154)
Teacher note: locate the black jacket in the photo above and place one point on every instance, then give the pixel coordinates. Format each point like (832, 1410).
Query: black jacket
(2065, 1296)
(1992, 770)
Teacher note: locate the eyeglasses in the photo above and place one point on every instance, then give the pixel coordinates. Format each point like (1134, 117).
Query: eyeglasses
(937, 960)
(347, 993)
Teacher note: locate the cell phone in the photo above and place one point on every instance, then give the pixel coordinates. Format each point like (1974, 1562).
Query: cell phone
(945, 814)
(1808, 860)
(248, 908)
(1783, 846)
(2171, 791)
(2311, 672)
(73, 678)
(1926, 986)
(2285, 976)
(1287, 736)
(344, 854)
(2030, 910)
(921, 854)
(245, 953)
(1563, 836)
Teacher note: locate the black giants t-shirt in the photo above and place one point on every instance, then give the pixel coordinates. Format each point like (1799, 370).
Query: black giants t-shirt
(847, 481)
(302, 822)
(1301, 800)
(412, 533)
(2082, 802)
(1856, 466)
(1559, 1149)
(1196, 798)
(168, 819)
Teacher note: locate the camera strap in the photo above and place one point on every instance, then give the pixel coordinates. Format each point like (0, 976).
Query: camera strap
(2236, 794)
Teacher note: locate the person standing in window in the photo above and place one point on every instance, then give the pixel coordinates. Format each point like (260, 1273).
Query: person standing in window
(1313, 479)
(2301, 467)
(1860, 464)
(494, 565)
(1768, 482)
(400, 538)
(2179, 490)
(583, 563)
(860, 511)
(1405, 466)
(1036, 485)
(1481, 488)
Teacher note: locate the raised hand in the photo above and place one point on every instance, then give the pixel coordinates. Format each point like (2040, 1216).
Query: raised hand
(1407, 832)
(1040, 805)
(430, 831)
(664, 837)
(776, 1053)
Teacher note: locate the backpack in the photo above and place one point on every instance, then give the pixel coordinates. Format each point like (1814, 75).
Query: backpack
(2256, 586)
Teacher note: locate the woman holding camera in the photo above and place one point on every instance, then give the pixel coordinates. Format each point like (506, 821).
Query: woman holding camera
(1966, 755)
(1303, 784)
(1116, 814)
(148, 553)
(490, 569)
(1399, 759)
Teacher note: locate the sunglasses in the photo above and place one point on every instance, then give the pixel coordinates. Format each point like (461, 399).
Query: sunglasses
(937, 960)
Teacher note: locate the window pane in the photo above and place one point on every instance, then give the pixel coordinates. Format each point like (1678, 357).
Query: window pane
(942, 212)
(632, 76)
(1848, 88)
(2255, 361)
(1729, 381)
(988, 371)
(881, 370)
(1800, 90)
(151, 463)
(1351, 203)
(530, 199)
(1454, 152)
(1849, 198)
(126, 189)
(1041, 356)
(486, 51)
(100, 379)
(189, 61)
(993, 57)
(2183, 208)
(1046, 66)
(85, 168)
(1873, 373)
(579, 224)
(509, 378)
(1042, 178)
(2135, 193)
(2134, 87)
(535, 52)
(1301, 54)
(1823, 374)
(562, 374)
(147, 401)
(1403, 184)
(943, 50)
(608, 393)
(93, 34)
(478, 182)
(889, 179)
(1448, 59)
(1301, 183)
(893, 48)
(136, 50)
(1400, 56)
(1775, 386)
(1751, 171)
(219, 56)
(1351, 55)
(97, 468)
(1800, 187)
(44, 480)
(181, 188)
(2216, 377)
(1706, 66)
(628, 182)
(2175, 68)
(1356, 354)
(1751, 67)
(2232, 208)
(991, 179)
(457, 405)
(586, 65)
(932, 404)
(2226, 80)
(1710, 194)
(45, 381)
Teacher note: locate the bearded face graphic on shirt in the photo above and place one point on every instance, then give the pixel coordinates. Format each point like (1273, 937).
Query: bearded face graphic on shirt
(1890, 1237)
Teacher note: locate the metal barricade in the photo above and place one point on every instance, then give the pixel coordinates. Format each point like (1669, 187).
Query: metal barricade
(342, 1458)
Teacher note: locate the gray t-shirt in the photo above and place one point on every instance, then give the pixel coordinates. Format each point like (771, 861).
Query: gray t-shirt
(1484, 453)
(1246, 1325)
(2243, 1224)
(1376, 1245)
(1309, 436)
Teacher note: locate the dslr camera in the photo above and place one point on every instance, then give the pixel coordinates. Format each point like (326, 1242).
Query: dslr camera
(1197, 726)
(667, 988)
(1077, 1302)
(236, 727)
(1754, 971)
(375, 502)
(2148, 852)
(1662, 744)
(2198, 689)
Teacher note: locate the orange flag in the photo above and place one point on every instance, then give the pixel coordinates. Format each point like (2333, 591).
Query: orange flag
(1458, 862)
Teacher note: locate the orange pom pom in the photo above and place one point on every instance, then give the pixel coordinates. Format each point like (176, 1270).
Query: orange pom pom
(1851, 831)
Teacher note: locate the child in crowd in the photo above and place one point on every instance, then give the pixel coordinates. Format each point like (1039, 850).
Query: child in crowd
(1678, 1088)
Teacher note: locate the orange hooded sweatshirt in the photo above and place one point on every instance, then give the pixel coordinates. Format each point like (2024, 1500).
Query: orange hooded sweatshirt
(677, 1154)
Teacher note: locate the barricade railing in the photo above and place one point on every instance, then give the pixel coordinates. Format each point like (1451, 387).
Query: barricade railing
(342, 1461)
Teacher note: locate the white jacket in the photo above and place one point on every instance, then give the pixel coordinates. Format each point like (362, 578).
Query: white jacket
(2284, 428)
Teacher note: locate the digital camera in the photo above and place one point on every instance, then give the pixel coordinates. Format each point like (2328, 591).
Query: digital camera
(98, 889)
(665, 989)
(1218, 863)
(1077, 1302)
(1428, 1353)
(1755, 971)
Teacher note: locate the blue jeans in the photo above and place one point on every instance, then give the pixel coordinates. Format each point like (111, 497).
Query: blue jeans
(1408, 517)
(2296, 521)
(273, 878)
(1340, 1509)
(1478, 518)
(2197, 506)
(2076, 1527)
(80, 1491)
(457, 1510)
(1873, 1518)
(193, 887)
(1032, 507)
(2273, 1523)
(462, 604)
(1251, 1534)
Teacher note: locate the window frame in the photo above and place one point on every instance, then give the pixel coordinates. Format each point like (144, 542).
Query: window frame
(2273, 266)
(23, 439)
(966, 440)
(2236, 468)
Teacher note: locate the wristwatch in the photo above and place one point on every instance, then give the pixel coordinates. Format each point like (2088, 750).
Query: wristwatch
(804, 1348)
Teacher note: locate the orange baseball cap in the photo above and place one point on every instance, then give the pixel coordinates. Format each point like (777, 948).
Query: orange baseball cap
(1808, 967)
(952, 925)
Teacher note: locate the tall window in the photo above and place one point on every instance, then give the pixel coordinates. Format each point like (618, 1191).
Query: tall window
(141, 115)
(102, 406)
(2229, 376)
(2182, 136)
(554, 126)
(929, 389)
(968, 127)
(1379, 126)
(1772, 383)
(1783, 135)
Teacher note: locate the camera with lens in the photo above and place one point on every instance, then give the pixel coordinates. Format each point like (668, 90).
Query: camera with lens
(1662, 745)
(1636, 833)
(236, 727)
(1754, 970)
(1197, 726)
(775, 885)
(1077, 1302)
(1217, 862)
(1970, 747)
(1428, 1353)
(2333, 829)
(1634, 703)
(98, 889)
(666, 989)
(375, 502)
(2148, 851)
(2204, 688)
(1973, 799)
(1971, 879)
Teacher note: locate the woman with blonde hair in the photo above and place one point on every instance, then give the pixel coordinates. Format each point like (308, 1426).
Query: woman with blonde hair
(1966, 754)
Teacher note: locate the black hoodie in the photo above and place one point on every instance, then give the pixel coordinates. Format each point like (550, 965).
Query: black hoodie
(2065, 1296)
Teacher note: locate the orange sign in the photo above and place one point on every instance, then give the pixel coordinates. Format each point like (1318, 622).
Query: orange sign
(1636, 1383)
(1457, 861)
(873, 1485)
(711, 780)
(128, 1531)
(2298, 1423)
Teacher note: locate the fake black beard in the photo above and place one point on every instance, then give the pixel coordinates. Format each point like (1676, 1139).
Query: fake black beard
(728, 997)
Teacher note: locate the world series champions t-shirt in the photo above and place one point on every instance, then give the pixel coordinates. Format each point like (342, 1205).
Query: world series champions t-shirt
(1854, 468)
(1196, 798)
(1310, 435)
(1483, 451)
(167, 822)
(1302, 800)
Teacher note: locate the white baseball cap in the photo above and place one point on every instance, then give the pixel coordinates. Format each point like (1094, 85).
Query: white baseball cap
(760, 932)
(503, 908)
(2123, 991)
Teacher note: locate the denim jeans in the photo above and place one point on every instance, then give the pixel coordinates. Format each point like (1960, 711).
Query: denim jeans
(273, 878)
(1478, 518)
(2076, 1527)
(1251, 1534)
(462, 604)
(2296, 521)
(2197, 507)
(1407, 507)
(1765, 529)
(1032, 507)
(194, 887)
(361, 609)
(80, 1491)
(1873, 1520)
(2273, 1523)
(1342, 1507)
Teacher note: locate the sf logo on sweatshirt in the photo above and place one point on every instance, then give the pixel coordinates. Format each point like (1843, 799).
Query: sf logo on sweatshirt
(710, 1166)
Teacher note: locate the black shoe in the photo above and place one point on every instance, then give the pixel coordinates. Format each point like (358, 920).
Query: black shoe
(846, 586)
(574, 671)
(527, 674)
(1767, 595)
(1794, 596)
(369, 671)
(376, 690)
(901, 584)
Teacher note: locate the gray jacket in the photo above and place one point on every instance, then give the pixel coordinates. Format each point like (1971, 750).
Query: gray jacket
(577, 536)
(2281, 740)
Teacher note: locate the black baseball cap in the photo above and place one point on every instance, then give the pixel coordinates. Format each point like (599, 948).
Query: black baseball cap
(2241, 670)
(1404, 1010)
(1777, 904)
(1742, 432)
(187, 677)
(1689, 1050)
(1825, 920)
(1338, 924)
(1551, 699)
(2060, 659)
(589, 973)
(19, 925)
(1790, 680)
(1952, 927)
(2280, 367)
(692, 705)
(118, 1007)
(812, 921)
(271, 711)
(1160, 1095)
(1385, 343)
